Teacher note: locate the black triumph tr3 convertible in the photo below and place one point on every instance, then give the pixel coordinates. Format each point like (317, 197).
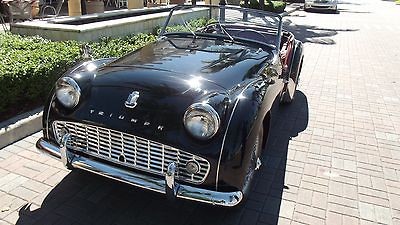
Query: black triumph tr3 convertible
(187, 115)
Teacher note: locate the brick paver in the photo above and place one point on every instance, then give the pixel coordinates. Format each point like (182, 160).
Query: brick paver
(334, 156)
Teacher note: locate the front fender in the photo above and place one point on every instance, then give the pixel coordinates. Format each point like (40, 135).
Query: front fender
(80, 67)
(252, 105)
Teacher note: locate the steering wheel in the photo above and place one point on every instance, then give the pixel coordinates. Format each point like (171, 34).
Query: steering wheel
(249, 34)
(211, 27)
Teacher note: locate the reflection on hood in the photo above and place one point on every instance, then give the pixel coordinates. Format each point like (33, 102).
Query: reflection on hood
(225, 64)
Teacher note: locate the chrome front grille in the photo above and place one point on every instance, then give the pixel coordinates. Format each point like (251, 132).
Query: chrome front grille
(130, 150)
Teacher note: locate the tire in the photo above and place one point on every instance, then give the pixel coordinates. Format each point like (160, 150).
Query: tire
(256, 153)
(69, 166)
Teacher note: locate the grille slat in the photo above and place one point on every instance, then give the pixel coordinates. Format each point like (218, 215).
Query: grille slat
(130, 150)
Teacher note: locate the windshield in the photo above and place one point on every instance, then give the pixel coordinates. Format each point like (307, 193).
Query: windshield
(233, 23)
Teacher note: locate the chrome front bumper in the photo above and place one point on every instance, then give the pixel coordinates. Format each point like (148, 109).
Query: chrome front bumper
(166, 186)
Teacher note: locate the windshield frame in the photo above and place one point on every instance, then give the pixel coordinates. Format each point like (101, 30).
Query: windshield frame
(222, 8)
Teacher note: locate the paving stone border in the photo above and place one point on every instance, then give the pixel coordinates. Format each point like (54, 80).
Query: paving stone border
(20, 126)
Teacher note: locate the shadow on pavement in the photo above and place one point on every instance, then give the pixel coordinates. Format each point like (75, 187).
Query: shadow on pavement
(83, 198)
(313, 34)
(322, 11)
(348, 3)
(289, 121)
(352, 11)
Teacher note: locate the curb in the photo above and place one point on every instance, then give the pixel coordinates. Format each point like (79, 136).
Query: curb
(292, 8)
(20, 126)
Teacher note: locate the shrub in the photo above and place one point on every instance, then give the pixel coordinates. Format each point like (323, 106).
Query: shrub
(271, 6)
(192, 25)
(275, 6)
(116, 47)
(253, 4)
(29, 66)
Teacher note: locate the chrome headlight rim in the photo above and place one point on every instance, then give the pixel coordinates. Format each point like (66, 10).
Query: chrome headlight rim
(66, 82)
(205, 107)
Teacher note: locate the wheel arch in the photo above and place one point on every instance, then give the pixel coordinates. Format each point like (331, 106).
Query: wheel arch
(266, 128)
(251, 113)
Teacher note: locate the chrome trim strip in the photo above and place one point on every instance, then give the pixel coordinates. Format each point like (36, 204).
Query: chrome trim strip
(228, 199)
(48, 114)
(223, 143)
(278, 36)
(226, 132)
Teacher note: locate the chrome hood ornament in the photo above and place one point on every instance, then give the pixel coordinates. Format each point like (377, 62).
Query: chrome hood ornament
(131, 102)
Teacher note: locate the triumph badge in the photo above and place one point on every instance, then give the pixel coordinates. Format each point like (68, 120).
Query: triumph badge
(131, 102)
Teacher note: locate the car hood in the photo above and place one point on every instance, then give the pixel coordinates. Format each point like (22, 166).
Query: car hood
(180, 63)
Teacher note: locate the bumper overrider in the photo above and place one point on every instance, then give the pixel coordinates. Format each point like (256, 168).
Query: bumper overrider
(168, 186)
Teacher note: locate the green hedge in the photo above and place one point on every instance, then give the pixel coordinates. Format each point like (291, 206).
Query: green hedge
(29, 66)
(116, 47)
(272, 6)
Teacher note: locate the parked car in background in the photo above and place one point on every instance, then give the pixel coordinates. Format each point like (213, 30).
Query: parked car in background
(187, 115)
(321, 5)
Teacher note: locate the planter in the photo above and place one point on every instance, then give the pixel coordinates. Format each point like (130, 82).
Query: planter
(94, 7)
(135, 4)
(212, 2)
(152, 4)
(233, 2)
(177, 2)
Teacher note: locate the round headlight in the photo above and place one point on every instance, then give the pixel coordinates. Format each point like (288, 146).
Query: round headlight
(201, 121)
(68, 92)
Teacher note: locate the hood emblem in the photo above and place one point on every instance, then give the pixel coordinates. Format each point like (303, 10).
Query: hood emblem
(131, 102)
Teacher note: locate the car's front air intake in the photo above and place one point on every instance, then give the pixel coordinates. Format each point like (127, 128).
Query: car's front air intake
(130, 150)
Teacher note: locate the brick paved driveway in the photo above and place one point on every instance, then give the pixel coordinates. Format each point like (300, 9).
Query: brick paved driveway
(335, 161)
